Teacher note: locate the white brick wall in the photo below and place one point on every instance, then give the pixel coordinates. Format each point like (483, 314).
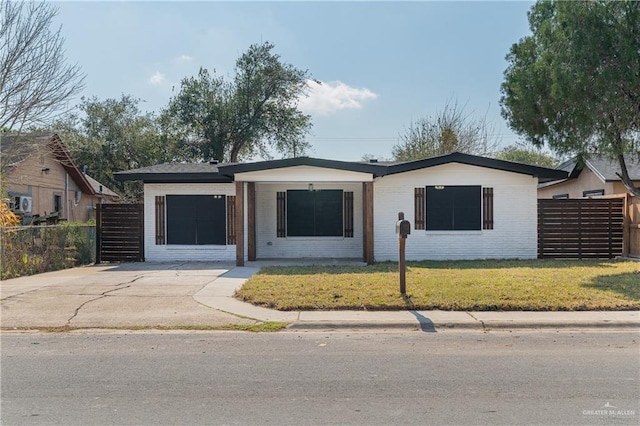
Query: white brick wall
(166, 252)
(514, 234)
(268, 246)
(515, 215)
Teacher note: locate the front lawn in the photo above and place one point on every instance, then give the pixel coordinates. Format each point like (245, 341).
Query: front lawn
(487, 285)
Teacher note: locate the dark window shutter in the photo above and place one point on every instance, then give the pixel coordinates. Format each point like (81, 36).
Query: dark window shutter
(453, 208)
(419, 209)
(301, 213)
(196, 219)
(231, 219)
(160, 222)
(328, 213)
(210, 220)
(487, 208)
(441, 207)
(348, 214)
(281, 219)
(181, 219)
(467, 202)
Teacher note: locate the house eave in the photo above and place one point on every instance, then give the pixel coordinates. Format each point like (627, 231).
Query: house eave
(172, 177)
(542, 173)
(232, 169)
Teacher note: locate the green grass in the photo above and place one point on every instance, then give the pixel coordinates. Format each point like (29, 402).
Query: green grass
(487, 285)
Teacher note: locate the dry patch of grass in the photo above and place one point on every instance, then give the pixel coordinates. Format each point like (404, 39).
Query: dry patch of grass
(487, 285)
(260, 327)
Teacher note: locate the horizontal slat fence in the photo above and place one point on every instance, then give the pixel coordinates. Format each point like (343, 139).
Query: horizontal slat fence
(120, 233)
(634, 226)
(580, 228)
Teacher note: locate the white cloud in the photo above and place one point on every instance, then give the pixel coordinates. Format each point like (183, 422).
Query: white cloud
(157, 78)
(329, 97)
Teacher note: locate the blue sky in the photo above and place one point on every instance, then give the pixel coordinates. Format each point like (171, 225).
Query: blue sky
(382, 64)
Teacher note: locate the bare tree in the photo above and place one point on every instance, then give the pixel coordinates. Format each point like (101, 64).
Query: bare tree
(450, 130)
(35, 80)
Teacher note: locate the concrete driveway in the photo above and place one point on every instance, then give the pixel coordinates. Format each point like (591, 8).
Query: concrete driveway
(125, 295)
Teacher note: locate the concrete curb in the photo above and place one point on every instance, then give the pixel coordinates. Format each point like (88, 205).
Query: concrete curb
(414, 326)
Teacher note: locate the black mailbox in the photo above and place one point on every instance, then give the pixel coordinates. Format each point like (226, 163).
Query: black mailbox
(403, 228)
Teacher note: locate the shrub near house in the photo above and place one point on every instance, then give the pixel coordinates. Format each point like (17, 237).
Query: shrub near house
(28, 250)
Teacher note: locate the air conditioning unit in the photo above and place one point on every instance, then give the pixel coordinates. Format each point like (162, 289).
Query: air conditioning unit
(25, 205)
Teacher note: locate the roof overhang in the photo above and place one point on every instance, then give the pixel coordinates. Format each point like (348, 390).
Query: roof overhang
(272, 165)
(173, 177)
(542, 173)
(63, 155)
(303, 174)
(307, 169)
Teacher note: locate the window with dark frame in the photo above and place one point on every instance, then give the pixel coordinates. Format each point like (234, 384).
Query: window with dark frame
(196, 219)
(57, 203)
(315, 213)
(561, 197)
(454, 208)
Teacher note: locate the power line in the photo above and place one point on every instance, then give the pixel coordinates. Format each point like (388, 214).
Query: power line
(385, 138)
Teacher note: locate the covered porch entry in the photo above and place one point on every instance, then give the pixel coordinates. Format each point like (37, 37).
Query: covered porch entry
(303, 211)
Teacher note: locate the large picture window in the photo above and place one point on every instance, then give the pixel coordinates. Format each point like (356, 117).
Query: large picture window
(315, 213)
(453, 208)
(196, 219)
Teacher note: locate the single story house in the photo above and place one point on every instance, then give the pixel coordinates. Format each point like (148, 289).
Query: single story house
(588, 177)
(43, 180)
(460, 207)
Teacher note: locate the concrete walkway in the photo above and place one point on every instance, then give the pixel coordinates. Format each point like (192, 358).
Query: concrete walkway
(183, 294)
(219, 295)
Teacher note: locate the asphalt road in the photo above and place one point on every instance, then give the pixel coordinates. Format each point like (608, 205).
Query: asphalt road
(321, 378)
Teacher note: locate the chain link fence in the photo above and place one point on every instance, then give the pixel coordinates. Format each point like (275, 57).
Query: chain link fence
(28, 250)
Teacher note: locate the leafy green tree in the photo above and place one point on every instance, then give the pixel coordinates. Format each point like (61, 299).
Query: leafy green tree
(450, 130)
(522, 154)
(574, 83)
(114, 135)
(249, 115)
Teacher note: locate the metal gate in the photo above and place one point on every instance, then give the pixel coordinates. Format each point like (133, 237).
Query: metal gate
(120, 233)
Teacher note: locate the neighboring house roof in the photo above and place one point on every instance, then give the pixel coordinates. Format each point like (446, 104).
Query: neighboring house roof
(603, 167)
(17, 148)
(607, 168)
(100, 189)
(203, 172)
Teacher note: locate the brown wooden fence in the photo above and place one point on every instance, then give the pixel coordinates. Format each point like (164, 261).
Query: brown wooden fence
(581, 228)
(632, 242)
(120, 233)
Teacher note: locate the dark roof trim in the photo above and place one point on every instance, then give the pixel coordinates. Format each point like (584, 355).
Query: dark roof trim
(173, 177)
(473, 160)
(171, 173)
(373, 168)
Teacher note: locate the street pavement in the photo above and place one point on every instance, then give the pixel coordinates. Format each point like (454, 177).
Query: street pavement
(524, 377)
(200, 294)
